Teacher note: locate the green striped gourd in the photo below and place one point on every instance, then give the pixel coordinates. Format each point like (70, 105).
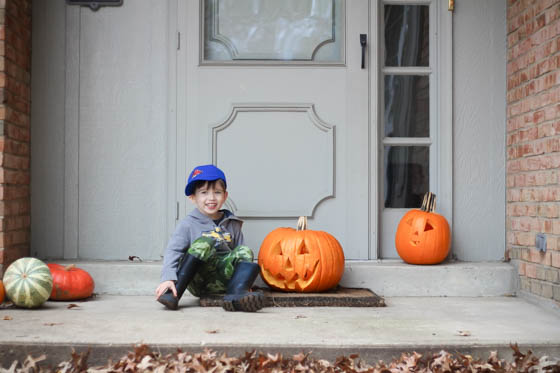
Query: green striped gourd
(28, 282)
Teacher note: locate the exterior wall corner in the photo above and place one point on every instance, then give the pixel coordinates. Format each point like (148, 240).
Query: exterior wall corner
(15, 103)
(533, 145)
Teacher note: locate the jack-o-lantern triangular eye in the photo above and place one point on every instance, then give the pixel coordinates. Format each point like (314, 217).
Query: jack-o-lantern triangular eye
(428, 227)
(276, 250)
(302, 249)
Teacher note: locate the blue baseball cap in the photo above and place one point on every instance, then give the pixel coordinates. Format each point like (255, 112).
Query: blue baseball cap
(206, 172)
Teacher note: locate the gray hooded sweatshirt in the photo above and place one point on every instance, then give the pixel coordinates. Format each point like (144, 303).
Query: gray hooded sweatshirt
(191, 228)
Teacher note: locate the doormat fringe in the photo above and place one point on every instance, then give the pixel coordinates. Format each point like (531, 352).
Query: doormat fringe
(337, 297)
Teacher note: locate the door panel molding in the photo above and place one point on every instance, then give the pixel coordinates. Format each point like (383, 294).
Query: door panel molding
(301, 178)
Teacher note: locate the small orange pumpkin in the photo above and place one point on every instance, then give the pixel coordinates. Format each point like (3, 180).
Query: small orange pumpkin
(70, 282)
(301, 260)
(423, 237)
(2, 292)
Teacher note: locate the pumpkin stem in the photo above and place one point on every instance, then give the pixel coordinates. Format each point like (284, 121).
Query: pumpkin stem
(429, 202)
(69, 267)
(302, 223)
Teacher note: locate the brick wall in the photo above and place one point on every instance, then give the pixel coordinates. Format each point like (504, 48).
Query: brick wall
(533, 143)
(15, 92)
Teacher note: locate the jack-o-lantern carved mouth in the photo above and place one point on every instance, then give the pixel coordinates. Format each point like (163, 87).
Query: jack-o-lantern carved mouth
(295, 272)
(290, 279)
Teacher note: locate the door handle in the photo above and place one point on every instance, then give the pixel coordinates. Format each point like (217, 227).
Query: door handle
(363, 43)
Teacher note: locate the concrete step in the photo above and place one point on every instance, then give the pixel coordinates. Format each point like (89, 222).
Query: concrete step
(110, 325)
(384, 277)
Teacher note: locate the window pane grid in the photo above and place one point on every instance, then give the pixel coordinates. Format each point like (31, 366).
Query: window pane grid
(406, 75)
(416, 70)
(407, 141)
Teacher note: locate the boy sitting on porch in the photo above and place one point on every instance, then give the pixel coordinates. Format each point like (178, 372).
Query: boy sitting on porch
(210, 242)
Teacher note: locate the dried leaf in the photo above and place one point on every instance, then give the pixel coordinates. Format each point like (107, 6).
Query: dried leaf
(146, 363)
(79, 360)
(52, 323)
(142, 359)
(8, 317)
(132, 257)
(30, 363)
(72, 305)
(7, 304)
(464, 333)
(214, 331)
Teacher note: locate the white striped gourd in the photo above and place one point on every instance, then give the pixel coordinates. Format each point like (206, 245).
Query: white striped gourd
(28, 282)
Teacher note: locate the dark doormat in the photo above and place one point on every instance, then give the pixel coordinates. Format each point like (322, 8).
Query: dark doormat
(338, 297)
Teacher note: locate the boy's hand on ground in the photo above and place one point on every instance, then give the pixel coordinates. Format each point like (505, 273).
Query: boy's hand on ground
(162, 288)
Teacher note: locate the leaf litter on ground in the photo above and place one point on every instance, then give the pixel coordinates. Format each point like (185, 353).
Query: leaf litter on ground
(143, 359)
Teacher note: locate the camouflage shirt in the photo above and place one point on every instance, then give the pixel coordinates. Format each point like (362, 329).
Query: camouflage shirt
(227, 235)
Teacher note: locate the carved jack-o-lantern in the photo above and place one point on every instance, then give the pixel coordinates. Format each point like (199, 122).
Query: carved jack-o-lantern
(423, 237)
(301, 260)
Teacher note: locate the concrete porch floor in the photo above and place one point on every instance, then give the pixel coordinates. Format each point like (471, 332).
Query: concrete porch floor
(111, 324)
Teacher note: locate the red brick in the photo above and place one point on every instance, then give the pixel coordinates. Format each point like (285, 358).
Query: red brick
(543, 258)
(15, 207)
(531, 270)
(11, 223)
(15, 147)
(16, 177)
(556, 227)
(546, 130)
(9, 255)
(15, 162)
(10, 192)
(521, 268)
(555, 259)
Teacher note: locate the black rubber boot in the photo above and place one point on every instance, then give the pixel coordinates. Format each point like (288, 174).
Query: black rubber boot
(185, 274)
(238, 296)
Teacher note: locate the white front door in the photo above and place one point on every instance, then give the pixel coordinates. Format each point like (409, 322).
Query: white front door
(275, 94)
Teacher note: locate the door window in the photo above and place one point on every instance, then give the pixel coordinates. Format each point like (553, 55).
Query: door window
(406, 104)
(241, 31)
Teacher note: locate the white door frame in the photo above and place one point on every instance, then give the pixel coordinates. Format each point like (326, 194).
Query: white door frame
(442, 103)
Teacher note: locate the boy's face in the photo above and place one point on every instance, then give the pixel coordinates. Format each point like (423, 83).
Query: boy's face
(209, 199)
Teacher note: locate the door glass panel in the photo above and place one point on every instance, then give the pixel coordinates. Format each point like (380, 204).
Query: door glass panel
(406, 175)
(407, 106)
(407, 35)
(287, 30)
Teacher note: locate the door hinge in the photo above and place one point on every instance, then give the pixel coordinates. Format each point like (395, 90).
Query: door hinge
(177, 216)
(178, 40)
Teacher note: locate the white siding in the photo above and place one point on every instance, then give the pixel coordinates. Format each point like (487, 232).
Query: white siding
(120, 136)
(479, 128)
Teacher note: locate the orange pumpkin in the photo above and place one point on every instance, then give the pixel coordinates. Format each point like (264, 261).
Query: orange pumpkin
(70, 283)
(423, 237)
(301, 260)
(2, 292)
